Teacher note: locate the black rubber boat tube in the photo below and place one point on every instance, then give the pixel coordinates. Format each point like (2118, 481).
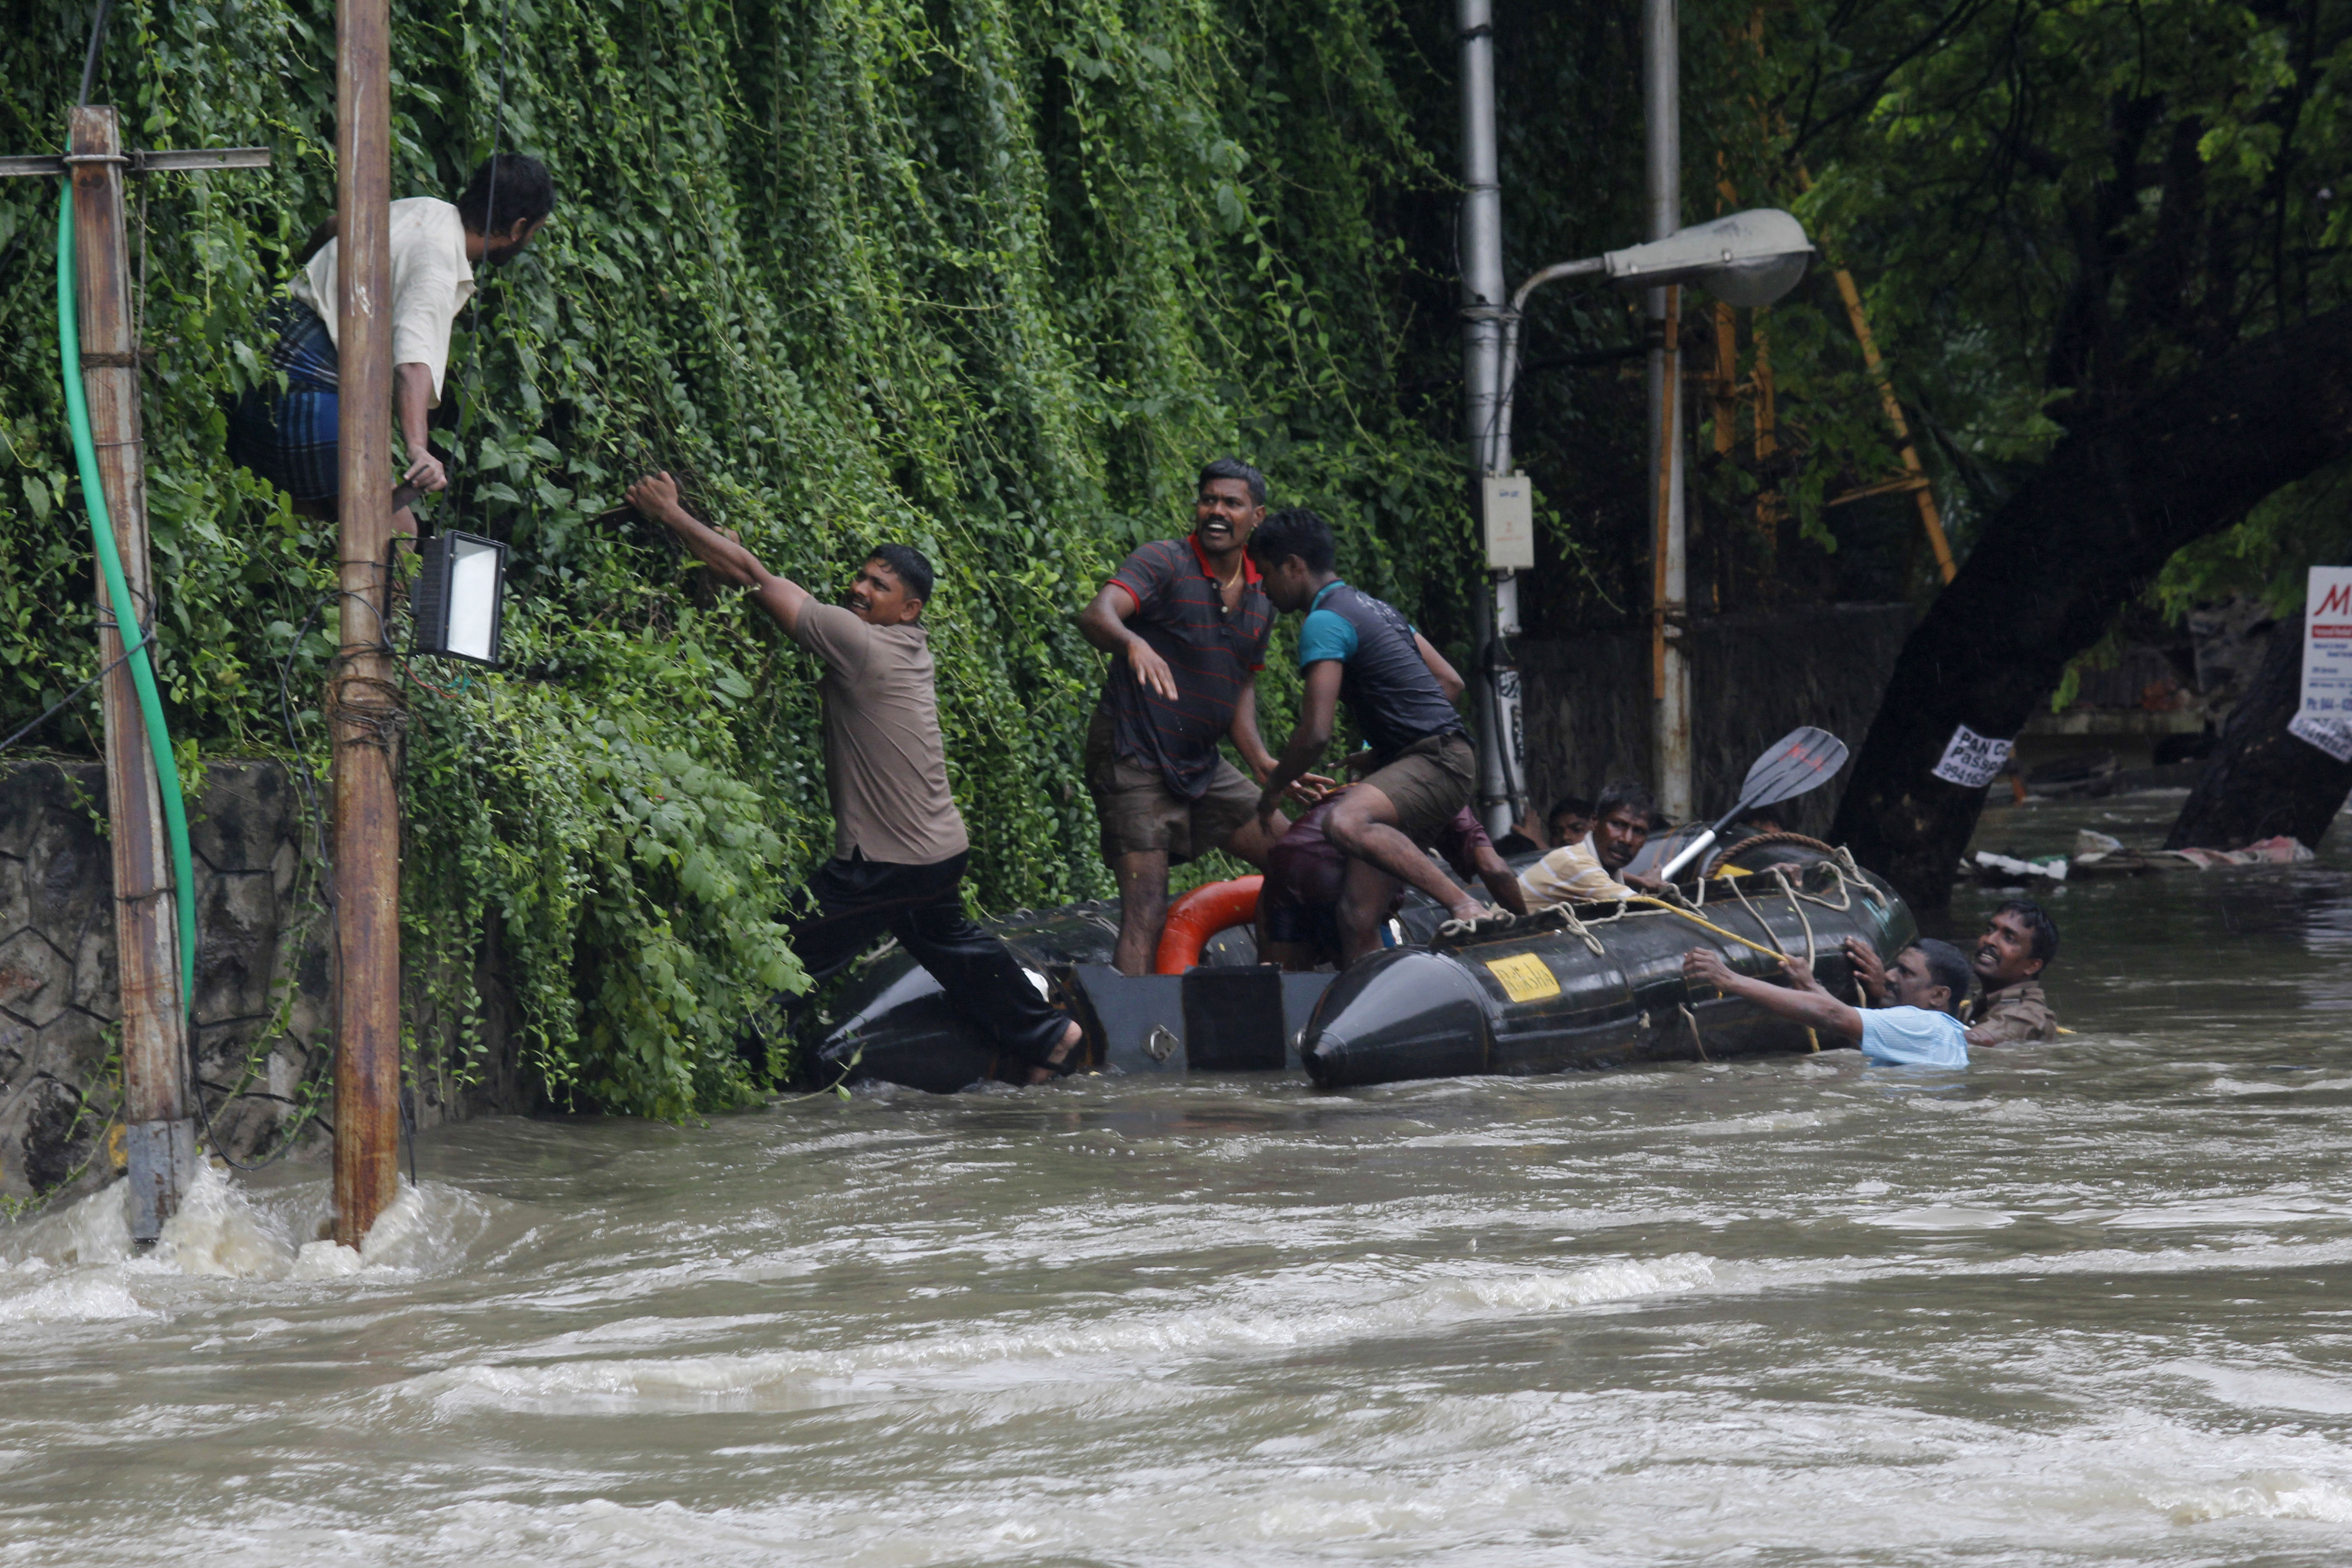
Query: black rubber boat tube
(1601, 990)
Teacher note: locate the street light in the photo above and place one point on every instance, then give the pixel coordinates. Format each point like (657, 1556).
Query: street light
(1748, 259)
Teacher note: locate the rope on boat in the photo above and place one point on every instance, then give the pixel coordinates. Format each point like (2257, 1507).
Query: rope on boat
(1840, 863)
(1782, 874)
(1764, 841)
(1577, 928)
(1698, 920)
(1758, 915)
(1692, 1019)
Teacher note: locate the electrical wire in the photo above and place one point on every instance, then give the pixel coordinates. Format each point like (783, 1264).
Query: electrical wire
(323, 858)
(89, 57)
(109, 561)
(62, 703)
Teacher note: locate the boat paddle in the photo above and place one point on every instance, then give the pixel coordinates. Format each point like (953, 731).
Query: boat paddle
(1795, 764)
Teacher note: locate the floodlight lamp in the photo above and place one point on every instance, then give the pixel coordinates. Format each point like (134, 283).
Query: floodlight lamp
(459, 597)
(1745, 258)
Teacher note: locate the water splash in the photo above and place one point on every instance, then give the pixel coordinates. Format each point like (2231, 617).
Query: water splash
(219, 1233)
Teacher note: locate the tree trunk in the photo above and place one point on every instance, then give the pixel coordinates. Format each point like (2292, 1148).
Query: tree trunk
(2091, 526)
(2263, 781)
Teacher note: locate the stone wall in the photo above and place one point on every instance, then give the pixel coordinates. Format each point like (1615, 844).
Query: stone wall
(264, 1038)
(1754, 677)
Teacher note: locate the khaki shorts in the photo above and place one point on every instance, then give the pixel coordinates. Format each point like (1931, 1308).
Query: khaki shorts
(1428, 783)
(1138, 814)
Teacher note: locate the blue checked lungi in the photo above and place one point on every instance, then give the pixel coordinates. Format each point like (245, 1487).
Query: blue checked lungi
(291, 437)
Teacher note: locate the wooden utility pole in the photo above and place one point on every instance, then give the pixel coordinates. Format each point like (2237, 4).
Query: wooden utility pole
(363, 701)
(159, 1143)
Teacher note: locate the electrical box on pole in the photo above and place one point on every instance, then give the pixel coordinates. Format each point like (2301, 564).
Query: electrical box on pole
(1508, 508)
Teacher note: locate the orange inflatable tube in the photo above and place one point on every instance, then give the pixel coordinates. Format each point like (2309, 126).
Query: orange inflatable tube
(1200, 914)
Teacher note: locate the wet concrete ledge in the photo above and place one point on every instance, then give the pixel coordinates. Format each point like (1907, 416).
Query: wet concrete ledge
(264, 1040)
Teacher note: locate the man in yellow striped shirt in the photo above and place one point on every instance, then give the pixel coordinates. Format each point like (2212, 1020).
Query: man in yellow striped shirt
(1586, 872)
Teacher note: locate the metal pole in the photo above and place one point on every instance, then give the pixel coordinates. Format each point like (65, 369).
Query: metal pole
(159, 1143)
(1662, 115)
(367, 808)
(1914, 472)
(1485, 402)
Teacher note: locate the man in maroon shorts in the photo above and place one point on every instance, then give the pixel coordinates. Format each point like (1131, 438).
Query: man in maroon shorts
(1300, 907)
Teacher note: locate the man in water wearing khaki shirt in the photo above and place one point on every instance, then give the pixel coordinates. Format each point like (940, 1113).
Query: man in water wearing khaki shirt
(900, 847)
(2019, 941)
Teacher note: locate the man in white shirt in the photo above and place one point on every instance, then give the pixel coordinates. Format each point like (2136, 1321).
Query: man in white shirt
(1585, 872)
(292, 437)
(1919, 1027)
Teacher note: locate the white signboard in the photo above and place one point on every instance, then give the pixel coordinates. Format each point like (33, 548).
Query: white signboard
(2324, 718)
(1971, 761)
(1510, 519)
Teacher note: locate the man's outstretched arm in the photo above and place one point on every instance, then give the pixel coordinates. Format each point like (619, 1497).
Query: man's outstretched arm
(1318, 710)
(656, 495)
(1802, 1000)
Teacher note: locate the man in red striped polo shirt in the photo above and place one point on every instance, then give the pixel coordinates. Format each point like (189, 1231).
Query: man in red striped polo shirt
(1186, 626)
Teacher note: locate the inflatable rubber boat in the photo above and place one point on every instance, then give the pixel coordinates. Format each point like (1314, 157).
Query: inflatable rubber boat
(1578, 986)
(1595, 986)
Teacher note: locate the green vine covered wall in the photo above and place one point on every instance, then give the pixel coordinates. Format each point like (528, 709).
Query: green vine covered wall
(991, 279)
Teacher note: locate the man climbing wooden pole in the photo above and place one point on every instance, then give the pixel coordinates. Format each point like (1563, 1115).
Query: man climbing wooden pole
(159, 1143)
(362, 700)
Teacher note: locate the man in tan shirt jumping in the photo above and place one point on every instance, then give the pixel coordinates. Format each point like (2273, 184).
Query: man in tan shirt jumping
(899, 846)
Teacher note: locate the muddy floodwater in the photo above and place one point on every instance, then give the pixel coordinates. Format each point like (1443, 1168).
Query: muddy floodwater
(2084, 1303)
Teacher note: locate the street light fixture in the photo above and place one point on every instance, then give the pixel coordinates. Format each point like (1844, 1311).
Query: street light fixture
(1748, 259)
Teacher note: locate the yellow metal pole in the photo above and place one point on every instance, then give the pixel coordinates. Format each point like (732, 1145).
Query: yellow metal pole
(1929, 518)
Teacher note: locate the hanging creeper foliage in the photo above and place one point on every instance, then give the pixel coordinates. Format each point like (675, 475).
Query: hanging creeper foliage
(990, 278)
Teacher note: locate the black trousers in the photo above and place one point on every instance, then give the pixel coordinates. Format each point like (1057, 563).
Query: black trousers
(850, 903)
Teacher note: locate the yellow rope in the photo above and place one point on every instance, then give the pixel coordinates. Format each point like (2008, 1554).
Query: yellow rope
(1772, 952)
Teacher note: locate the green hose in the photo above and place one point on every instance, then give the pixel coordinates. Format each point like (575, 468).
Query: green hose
(117, 591)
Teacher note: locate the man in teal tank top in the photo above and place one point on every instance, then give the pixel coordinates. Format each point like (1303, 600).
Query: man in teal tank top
(1358, 649)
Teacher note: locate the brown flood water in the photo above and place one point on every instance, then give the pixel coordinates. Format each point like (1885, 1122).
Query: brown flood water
(2084, 1303)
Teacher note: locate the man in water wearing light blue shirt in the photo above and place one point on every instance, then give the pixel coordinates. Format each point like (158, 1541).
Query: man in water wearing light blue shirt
(1919, 1027)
